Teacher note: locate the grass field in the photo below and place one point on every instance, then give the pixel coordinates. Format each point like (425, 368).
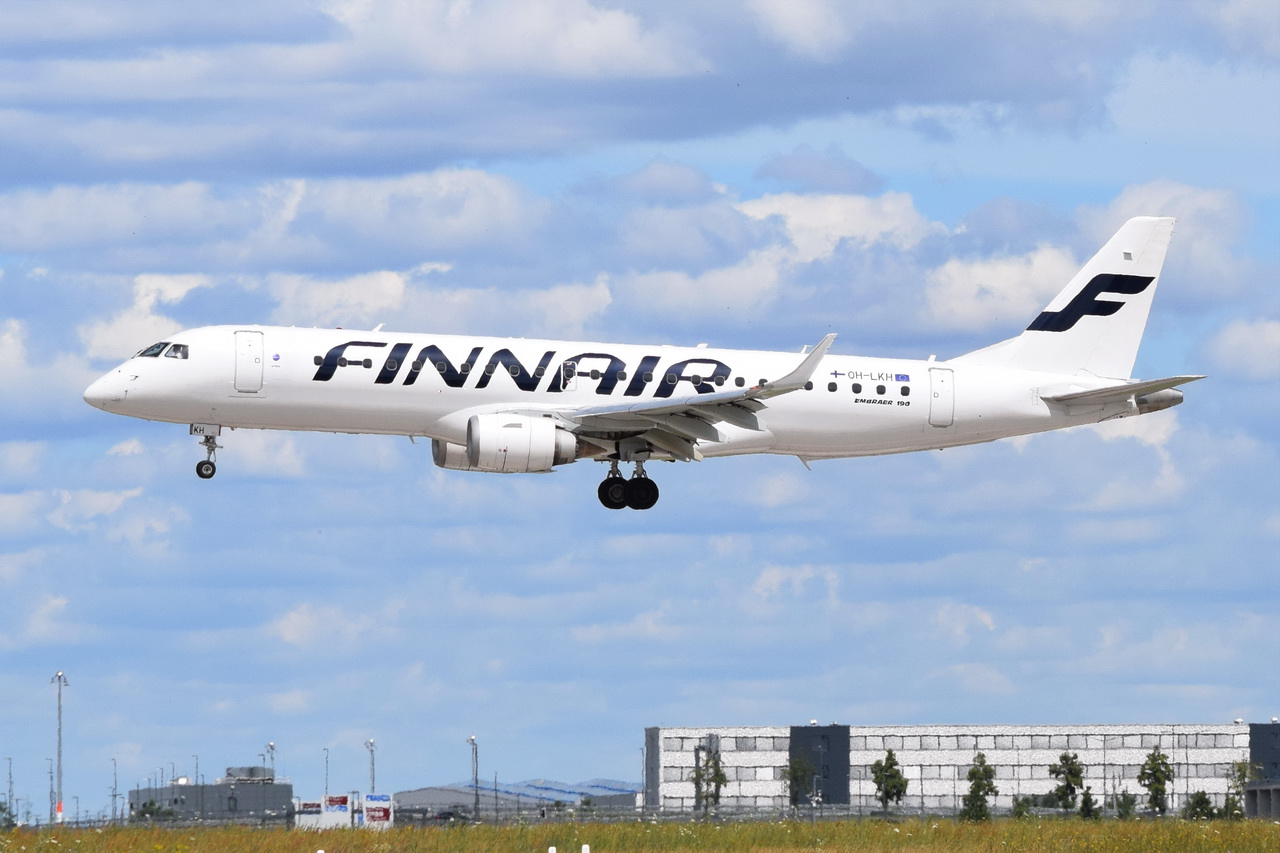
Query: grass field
(874, 836)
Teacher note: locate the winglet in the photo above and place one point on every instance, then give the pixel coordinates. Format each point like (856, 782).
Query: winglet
(797, 378)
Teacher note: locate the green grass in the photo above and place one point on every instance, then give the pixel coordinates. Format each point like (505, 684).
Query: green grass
(906, 837)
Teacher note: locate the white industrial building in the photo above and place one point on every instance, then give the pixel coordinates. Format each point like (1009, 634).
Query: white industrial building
(936, 759)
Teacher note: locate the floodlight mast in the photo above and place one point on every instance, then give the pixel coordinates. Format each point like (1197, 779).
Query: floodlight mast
(373, 786)
(475, 775)
(60, 680)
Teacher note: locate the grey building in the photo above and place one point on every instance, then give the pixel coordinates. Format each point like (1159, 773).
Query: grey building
(836, 762)
(245, 794)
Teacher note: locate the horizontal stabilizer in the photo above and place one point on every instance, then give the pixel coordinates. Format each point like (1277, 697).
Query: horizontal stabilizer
(1116, 393)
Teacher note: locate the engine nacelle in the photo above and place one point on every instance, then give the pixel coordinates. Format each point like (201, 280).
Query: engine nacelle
(1158, 400)
(507, 444)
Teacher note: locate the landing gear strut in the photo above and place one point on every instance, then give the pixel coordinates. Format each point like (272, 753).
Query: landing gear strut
(206, 469)
(637, 493)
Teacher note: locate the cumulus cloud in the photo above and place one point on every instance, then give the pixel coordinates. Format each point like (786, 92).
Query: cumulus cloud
(813, 29)
(650, 625)
(815, 224)
(773, 581)
(78, 509)
(958, 620)
(21, 459)
(309, 626)
(1248, 349)
(976, 295)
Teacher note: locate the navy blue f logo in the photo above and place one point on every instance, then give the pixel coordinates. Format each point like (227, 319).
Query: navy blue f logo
(1087, 302)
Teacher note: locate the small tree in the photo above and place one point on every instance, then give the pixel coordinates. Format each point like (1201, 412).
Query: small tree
(1071, 774)
(981, 785)
(890, 783)
(1088, 808)
(799, 778)
(1126, 804)
(1022, 806)
(6, 817)
(708, 778)
(1155, 775)
(1239, 775)
(1199, 807)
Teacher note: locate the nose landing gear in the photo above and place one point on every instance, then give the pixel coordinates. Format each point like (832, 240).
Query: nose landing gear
(206, 469)
(637, 493)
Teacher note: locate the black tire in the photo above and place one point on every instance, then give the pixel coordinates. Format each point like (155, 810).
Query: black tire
(642, 493)
(613, 493)
(206, 469)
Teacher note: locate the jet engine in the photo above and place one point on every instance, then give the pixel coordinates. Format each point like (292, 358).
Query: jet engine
(507, 444)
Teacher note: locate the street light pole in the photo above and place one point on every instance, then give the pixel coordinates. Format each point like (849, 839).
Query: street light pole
(115, 788)
(373, 786)
(271, 751)
(200, 795)
(60, 680)
(326, 775)
(475, 775)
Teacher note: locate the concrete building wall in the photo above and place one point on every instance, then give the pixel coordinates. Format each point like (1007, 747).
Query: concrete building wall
(754, 760)
(936, 759)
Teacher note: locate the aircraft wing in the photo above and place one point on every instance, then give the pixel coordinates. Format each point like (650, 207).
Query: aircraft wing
(676, 424)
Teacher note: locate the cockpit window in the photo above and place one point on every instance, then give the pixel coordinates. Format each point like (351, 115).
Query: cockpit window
(152, 351)
(177, 351)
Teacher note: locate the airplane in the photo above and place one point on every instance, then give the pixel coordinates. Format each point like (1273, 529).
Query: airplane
(514, 405)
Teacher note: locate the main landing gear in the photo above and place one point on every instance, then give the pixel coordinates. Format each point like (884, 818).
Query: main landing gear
(206, 469)
(617, 492)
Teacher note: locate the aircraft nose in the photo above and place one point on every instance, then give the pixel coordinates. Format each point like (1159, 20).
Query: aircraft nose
(106, 390)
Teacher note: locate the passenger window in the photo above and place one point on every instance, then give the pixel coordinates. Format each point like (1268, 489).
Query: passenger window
(515, 370)
(831, 386)
(319, 360)
(857, 387)
(808, 386)
(719, 380)
(595, 374)
(648, 376)
(671, 379)
(739, 381)
(152, 351)
(906, 390)
(879, 389)
(622, 376)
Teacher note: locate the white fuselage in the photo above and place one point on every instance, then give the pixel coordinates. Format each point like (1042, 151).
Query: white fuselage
(337, 380)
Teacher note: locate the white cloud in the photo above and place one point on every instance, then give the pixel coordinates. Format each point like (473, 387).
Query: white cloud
(265, 453)
(290, 702)
(128, 447)
(817, 223)
(78, 509)
(51, 386)
(22, 458)
(1248, 349)
(958, 619)
(13, 566)
(984, 294)
(773, 580)
(310, 626)
(779, 490)
(139, 325)
(351, 301)
(569, 38)
(20, 513)
(813, 29)
(565, 310)
(650, 625)
(740, 290)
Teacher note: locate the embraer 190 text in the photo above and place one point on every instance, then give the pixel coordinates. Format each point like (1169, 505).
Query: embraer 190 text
(511, 405)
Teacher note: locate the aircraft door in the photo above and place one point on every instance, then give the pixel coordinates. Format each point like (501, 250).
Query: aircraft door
(942, 398)
(249, 362)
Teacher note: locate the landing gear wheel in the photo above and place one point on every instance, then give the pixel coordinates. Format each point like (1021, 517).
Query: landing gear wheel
(641, 493)
(205, 470)
(613, 493)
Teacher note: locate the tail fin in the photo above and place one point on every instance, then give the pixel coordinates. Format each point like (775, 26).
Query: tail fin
(1085, 330)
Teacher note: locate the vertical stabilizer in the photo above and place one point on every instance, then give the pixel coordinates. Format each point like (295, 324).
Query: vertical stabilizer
(1094, 326)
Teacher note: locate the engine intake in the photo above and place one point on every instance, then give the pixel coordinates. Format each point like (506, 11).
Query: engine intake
(507, 444)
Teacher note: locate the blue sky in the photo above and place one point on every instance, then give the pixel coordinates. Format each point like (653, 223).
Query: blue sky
(919, 177)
